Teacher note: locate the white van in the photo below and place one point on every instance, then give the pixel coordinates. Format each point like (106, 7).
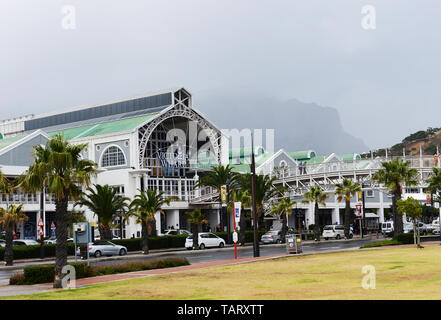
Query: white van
(387, 226)
(335, 231)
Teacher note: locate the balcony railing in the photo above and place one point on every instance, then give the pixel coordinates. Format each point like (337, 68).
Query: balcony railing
(335, 166)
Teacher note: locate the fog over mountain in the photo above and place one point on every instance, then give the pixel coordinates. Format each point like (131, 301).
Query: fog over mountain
(298, 125)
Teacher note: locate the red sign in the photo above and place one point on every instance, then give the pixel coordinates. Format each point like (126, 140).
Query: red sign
(358, 206)
(40, 222)
(40, 231)
(53, 225)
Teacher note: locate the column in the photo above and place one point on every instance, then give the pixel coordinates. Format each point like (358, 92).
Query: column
(172, 218)
(381, 209)
(158, 222)
(336, 215)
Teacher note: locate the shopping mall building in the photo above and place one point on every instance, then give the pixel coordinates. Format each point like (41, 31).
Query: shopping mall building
(153, 141)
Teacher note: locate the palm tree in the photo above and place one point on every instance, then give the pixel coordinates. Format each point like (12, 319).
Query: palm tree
(283, 208)
(393, 175)
(265, 191)
(347, 190)
(10, 218)
(144, 207)
(104, 203)
(59, 167)
(242, 196)
(196, 217)
(316, 195)
(220, 176)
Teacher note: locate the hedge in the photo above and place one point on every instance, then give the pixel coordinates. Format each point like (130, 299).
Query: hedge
(46, 273)
(404, 238)
(27, 252)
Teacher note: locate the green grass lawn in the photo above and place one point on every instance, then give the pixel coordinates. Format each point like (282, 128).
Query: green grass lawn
(402, 273)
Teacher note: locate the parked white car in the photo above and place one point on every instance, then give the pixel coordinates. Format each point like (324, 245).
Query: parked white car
(436, 230)
(407, 227)
(2, 243)
(51, 240)
(206, 240)
(335, 231)
(387, 227)
(433, 226)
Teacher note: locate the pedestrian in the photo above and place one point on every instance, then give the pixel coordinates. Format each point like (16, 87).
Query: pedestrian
(304, 167)
(436, 159)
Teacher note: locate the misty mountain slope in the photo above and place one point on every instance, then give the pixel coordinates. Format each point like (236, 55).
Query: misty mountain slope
(298, 125)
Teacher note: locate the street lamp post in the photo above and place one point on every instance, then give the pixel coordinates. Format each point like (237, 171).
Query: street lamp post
(256, 250)
(228, 214)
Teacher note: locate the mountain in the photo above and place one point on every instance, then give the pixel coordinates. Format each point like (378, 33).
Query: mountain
(298, 125)
(426, 140)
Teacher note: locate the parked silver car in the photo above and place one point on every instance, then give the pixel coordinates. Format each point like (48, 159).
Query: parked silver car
(24, 242)
(104, 248)
(272, 237)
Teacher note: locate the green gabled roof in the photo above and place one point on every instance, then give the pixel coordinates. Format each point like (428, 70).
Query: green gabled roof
(241, 168)
(302, 155)
(103, 128)
(350, 156)
(316, 160)
(245, 152)
(8, 141)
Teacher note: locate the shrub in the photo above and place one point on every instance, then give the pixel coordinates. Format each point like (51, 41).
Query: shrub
(28, 252)
(39, 274)
(404, 238)
(17, 279)
(46, 273)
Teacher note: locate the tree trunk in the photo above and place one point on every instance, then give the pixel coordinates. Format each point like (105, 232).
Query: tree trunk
(144, 238)
(316, 222)
(242, 228)
(152, 227)
(61, 218)
(398, 219)
(347, 218)
(9, 252)
(414, 232)
(105, 231)
(196, 236)
(284, 222)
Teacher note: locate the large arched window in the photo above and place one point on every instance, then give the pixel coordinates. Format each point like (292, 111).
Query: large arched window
(113, 156)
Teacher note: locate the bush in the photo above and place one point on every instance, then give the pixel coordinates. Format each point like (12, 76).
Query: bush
(311, 227)
(39, 274)
(28, 252)
(162, 242)
(17, 279)
(404, 238)
(46, 273)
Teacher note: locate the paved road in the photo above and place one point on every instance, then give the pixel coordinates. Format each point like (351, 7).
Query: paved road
(211, 254)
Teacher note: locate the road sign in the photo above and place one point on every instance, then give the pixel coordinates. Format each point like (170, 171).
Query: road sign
(235, 237)
(358, 212)
(53, 225)
(237, 209)
(224, 193)
(40, 231)
(40, 222)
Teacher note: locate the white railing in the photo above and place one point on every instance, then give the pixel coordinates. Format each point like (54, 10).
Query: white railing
(424, 162)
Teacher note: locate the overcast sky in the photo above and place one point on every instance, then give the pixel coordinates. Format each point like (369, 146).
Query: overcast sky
(384, 82)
